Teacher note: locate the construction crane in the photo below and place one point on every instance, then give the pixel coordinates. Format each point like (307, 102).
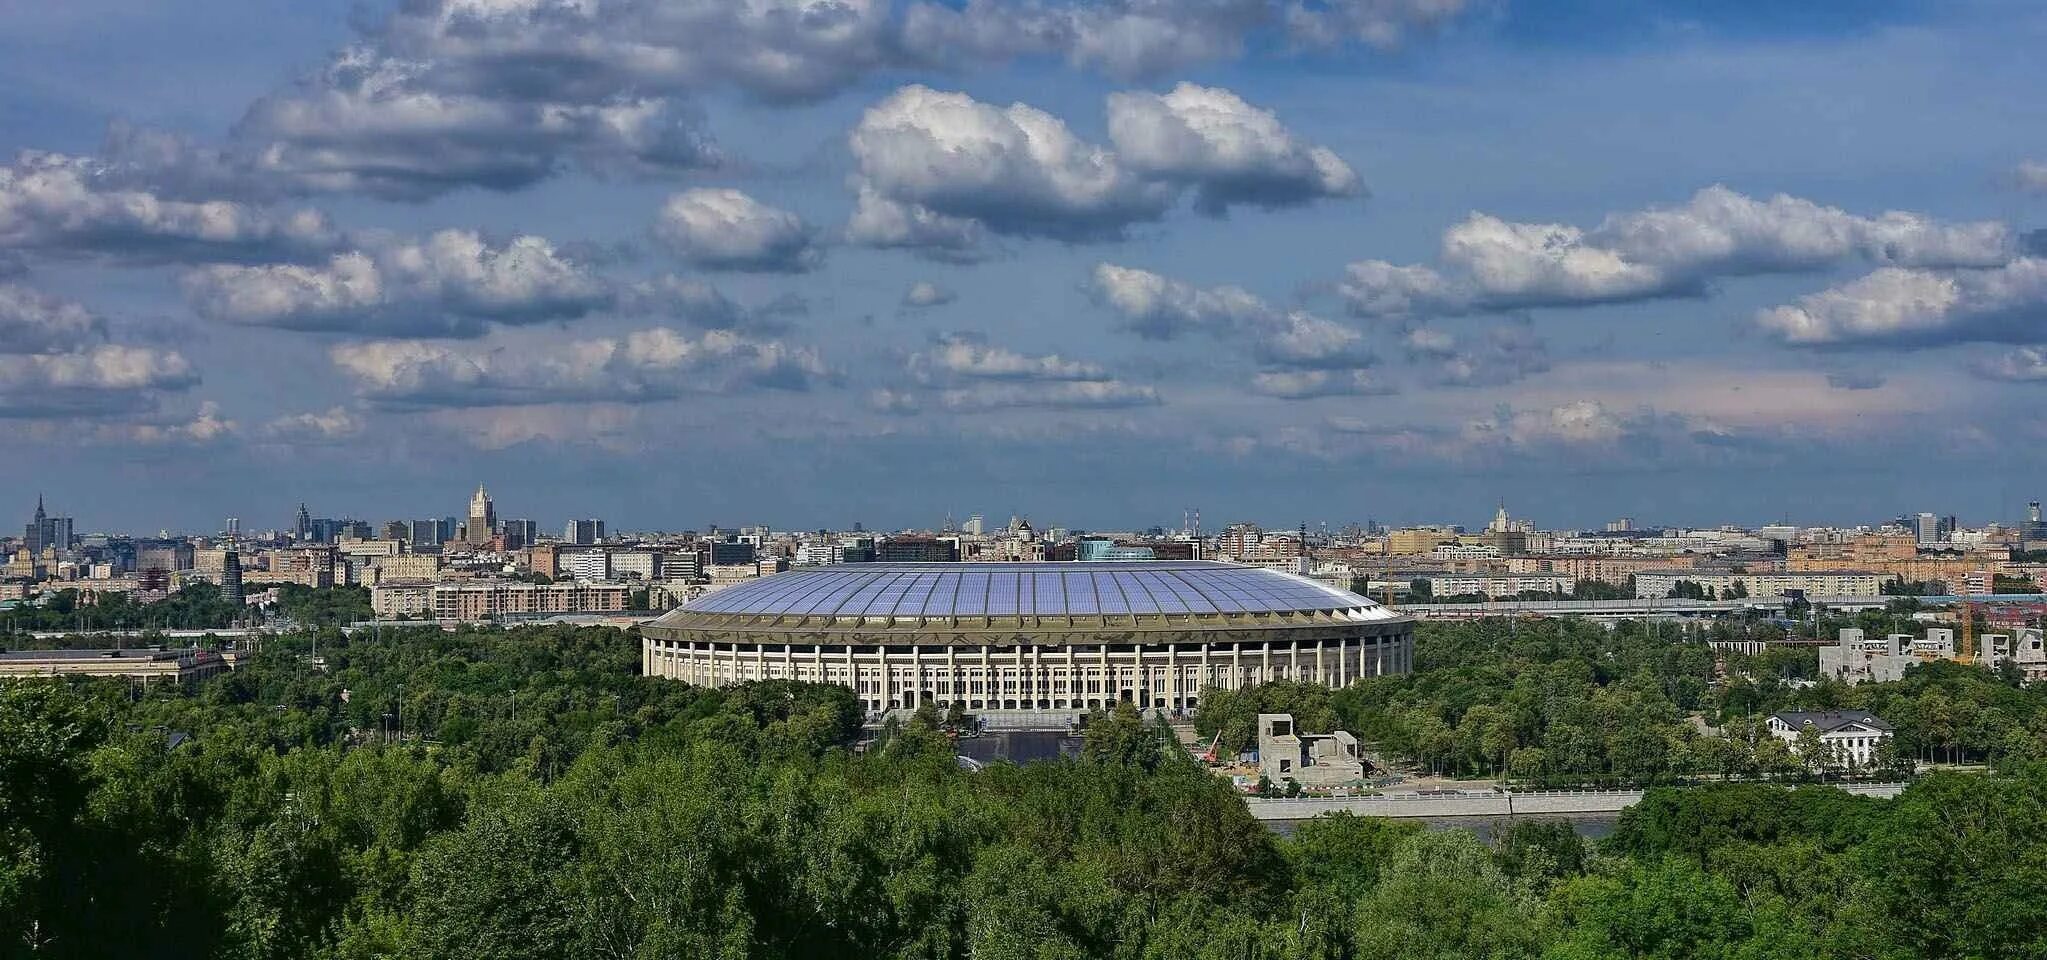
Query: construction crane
(1209, 756)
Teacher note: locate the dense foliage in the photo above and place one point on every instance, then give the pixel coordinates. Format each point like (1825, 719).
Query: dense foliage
(521, 793)
(1563, 702)
(196, 606)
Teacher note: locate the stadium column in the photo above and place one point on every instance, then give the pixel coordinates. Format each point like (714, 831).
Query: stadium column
(950, 686)
(1076, 690)
(888, 680)
(1236, 666)
(853, 673)
(1265, 663)
(817, 661)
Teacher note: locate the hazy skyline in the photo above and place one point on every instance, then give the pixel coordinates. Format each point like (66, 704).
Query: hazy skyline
(811, 263)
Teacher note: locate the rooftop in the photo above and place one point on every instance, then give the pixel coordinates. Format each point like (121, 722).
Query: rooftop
(1133, 587)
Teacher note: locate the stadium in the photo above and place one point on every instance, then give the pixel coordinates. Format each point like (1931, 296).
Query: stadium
(1030, 636)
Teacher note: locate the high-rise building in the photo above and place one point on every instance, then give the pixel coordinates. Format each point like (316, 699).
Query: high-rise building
(233, 529)
(302, 525)
(1926, 529)
(520, 533)
(231, 577)
(483, 519)
(424, 533)
(45, 532)
(584, 533)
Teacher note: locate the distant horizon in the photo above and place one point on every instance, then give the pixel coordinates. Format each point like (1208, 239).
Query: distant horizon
(828, 262)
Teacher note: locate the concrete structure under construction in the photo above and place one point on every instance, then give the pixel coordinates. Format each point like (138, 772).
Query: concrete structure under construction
(1030, 636)
(1316, 761)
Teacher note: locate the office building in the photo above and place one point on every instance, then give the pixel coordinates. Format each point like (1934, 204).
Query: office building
(1849, 736)
(520, 534)
(1030, 636)
(583, 533)
(586, 565)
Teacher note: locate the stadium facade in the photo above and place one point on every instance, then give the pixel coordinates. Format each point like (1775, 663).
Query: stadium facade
(1030, 636)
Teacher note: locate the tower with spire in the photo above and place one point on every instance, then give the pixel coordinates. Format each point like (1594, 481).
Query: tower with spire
(35, 537)
(483, 519)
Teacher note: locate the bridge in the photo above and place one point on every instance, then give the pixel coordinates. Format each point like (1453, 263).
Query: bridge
(1439, 804)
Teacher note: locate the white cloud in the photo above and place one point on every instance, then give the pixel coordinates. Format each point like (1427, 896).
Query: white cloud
(1159, 307)
(934, 166)
(1072, 394)
(334, 423)
(702, 305)
(1489, 264)
(880, 222)
(1229, 150)
(1146, 38)
(63, 205)
(644, 366)
(35, 322)
(966, 357)
(1015, 169)
(924, 293)
(386, 126)
(1580, 423)
(728, 230)
(2031, 176)
(1920, 307)
(452, 283)
(1497, 356)
(1307, 384)
(56, 364)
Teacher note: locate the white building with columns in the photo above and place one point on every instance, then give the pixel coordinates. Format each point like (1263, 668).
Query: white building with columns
(1030, 636)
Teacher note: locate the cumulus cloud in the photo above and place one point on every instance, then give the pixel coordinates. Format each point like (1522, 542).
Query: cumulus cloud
(205, 425)
(1229, 151)
(1308, 384)
(887, 224)
(964, 373)
(33, 322)
(924, 293)
(644, 366)
(58, 205)
(1162, 308)
(2023, 365)
(1578, 423)
(2031, 176)
(728, 230)
(57, 364)
(700, 304)
(966, 356)
(1494, 357)
(1490, 264)
(1146, 38)
(386, 126)
(334, 423)
(1067, 395)
(1902, 307)
(934, 167)
(451, 283)
(100, 380)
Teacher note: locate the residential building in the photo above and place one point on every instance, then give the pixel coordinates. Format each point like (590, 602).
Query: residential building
(483, 599)
(1811, 583)
(1459, 585)
(395, 600)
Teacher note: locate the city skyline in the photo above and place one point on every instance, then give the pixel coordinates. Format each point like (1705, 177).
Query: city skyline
(874, 260)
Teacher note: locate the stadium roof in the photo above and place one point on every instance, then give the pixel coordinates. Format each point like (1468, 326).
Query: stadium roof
(1174, 588)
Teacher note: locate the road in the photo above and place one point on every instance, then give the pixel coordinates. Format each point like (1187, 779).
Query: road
(1415, 806)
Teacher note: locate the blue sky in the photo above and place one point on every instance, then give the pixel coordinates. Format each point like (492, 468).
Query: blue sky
(679, 263)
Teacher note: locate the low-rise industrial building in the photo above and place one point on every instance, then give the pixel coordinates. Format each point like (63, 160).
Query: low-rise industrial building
(145, 665)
